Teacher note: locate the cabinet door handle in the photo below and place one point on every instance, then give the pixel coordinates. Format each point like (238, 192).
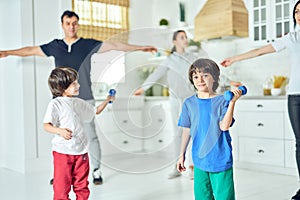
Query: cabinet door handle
(260, 151)
(260, 124)
(259, 106)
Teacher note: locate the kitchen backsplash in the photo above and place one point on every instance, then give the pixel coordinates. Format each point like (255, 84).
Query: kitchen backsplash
(252, 72)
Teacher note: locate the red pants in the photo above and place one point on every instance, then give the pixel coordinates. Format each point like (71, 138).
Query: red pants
(70, 170)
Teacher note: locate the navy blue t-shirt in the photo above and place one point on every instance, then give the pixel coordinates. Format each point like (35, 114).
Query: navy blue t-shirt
(77, 56)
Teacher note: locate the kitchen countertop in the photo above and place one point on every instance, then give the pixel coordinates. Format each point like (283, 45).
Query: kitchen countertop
(157, 98)
(146, 98)
(280, 97)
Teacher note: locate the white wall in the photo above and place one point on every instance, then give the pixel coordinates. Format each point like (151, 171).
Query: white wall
(46, 17)
(170, 10)
(12, 133)
(138, 20)
(24, 82)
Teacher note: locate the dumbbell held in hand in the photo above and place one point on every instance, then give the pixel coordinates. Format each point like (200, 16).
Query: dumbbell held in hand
(112, 92)
(228, 95)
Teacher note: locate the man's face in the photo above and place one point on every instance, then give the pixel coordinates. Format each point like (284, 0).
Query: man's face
(70, 26)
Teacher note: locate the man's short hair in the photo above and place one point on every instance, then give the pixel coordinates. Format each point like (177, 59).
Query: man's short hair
(69, 14)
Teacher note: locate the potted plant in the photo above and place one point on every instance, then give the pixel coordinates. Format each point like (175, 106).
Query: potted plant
(195, 43)
(164, 23)
(194, 46)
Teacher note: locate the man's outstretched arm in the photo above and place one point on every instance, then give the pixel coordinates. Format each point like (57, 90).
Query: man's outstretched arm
(25, 51)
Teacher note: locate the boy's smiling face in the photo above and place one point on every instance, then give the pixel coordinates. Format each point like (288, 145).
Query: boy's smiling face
(203, 81)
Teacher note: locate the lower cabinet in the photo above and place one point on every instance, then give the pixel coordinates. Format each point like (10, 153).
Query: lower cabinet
(144, 129)
(261, 151)
(262, 136)
(120, 131)
(158, 126)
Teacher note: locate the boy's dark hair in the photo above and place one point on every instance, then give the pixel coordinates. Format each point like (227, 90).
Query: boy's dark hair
(69, 14)
(205, 66)
(60, 79)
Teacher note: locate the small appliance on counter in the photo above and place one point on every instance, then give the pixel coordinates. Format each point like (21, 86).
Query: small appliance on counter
(275, 86)
(267, 87)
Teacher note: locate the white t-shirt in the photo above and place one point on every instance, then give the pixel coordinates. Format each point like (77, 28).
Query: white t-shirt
(70, 112)
(291, 41)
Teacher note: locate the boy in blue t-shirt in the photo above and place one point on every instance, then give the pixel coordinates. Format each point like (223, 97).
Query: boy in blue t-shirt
(206, 118)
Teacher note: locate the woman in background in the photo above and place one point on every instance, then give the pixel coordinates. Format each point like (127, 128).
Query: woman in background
(291, 41)
(175, 68)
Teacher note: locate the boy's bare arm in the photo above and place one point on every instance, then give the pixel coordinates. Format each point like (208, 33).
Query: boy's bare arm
(63, 132)
(227, 120)
(185, 139)
(102, 106)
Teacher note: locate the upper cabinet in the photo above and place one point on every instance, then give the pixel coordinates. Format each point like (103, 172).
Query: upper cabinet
(269, 20)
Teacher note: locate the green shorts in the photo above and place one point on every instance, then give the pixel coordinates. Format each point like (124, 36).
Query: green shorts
(213, 185)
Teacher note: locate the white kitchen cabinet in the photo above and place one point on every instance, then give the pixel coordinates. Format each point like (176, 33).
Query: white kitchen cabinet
(269, 20)
(147, 128)
(263, 125)
(120, 130)
(158, 125)
(261, 151)
(262, 138)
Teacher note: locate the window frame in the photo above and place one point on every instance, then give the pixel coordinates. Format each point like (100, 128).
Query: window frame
(90, 29)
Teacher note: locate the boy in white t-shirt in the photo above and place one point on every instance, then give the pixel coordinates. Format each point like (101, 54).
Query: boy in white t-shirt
(64, 118)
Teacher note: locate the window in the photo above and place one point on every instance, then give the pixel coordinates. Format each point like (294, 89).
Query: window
(102, 19)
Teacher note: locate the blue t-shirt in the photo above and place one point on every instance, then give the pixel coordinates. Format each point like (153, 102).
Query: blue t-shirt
(77, 56)
(211, 149)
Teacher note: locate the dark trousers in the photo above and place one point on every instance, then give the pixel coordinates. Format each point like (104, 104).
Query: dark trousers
(294, 114)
